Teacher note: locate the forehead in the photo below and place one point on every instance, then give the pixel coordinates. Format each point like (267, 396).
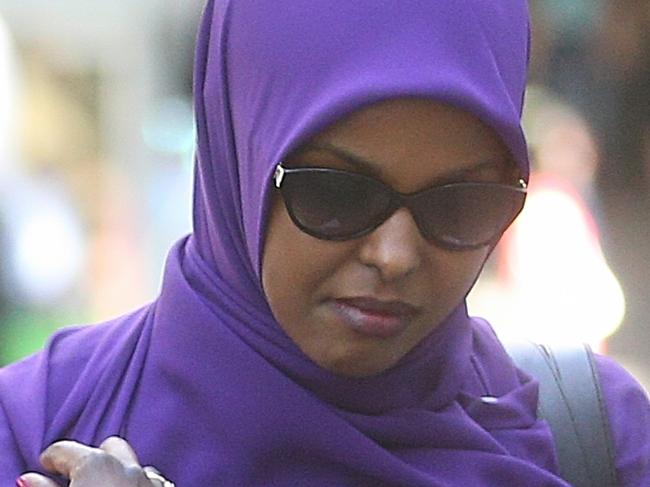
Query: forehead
(411, 142)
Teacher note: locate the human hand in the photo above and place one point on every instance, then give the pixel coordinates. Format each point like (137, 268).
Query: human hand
(113, 464)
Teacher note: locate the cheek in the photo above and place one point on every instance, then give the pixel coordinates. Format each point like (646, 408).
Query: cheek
(472, 267)
(295, 266)
(458, 271)
(281, 265)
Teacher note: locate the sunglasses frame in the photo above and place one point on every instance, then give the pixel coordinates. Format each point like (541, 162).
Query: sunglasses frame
(397, 200)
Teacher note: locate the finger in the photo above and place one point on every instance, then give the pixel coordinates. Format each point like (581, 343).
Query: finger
(63, 456)
(36, 480)
(121, 450)
(85, 465)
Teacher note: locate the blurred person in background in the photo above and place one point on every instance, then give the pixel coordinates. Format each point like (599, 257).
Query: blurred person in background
(619, 109)
(313, 330)
(595, 56)
(556, 234)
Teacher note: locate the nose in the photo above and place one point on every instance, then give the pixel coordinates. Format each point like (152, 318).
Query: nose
(395, 248)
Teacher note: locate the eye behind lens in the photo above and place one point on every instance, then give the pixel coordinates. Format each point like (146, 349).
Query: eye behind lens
(334, 205)
(466, 216)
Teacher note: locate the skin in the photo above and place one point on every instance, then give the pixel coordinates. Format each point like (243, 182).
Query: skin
(408, 144)
(112, 464)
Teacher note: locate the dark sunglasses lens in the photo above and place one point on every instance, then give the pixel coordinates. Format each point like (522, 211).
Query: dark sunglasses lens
(464, 216)
(332, 205)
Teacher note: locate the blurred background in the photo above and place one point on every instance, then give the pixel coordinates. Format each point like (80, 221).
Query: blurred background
(96, 143)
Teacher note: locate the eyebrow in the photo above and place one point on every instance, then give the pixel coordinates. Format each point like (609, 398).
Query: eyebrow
(366, 166)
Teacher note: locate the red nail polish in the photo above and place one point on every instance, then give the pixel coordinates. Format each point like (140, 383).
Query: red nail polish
(21, 482)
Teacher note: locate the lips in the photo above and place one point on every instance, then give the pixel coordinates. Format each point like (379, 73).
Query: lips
(374, 317)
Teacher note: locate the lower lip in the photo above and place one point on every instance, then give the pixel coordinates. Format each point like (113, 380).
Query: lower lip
(372, 324)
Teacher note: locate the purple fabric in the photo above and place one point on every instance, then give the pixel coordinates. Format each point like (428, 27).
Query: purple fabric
(204, 383)
(85, 386)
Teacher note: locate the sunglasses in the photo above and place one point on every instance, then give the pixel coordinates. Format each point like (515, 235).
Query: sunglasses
(330, 204)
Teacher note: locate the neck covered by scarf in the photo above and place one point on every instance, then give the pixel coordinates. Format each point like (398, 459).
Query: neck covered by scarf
(206, 384)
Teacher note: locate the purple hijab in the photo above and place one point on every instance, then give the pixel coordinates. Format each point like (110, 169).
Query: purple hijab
(203, 381)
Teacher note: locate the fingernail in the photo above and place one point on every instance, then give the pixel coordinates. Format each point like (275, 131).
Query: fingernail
(21, 482)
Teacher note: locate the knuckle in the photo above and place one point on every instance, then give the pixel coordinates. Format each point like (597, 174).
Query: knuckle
(57, 451)
(58, 447)
(112, 441)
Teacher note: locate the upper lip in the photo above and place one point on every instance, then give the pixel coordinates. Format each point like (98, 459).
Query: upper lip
(380, 306)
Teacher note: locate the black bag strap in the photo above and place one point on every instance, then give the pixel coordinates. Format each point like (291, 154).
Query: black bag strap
(572, 404)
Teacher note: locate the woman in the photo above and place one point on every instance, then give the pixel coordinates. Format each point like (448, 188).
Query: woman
(312, 330)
